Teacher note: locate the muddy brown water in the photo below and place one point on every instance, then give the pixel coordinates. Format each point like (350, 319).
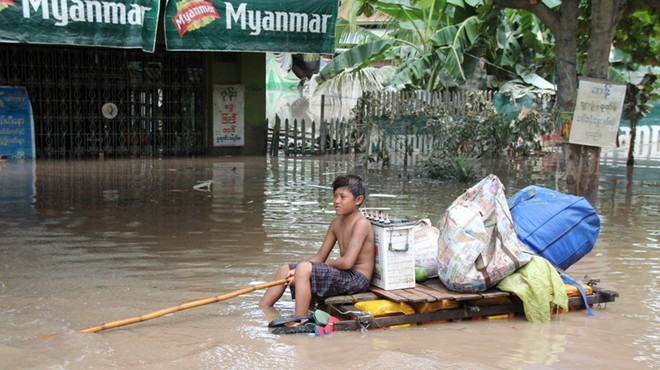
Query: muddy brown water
(87, 242)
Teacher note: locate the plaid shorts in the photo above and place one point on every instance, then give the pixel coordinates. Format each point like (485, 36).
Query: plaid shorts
(328, 281)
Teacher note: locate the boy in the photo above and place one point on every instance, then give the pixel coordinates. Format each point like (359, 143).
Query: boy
(351, 272)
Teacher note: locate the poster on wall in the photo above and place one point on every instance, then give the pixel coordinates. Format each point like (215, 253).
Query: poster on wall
(292, 26)
(16, 124)
(126, 24)
(597, 112)
(228, 115)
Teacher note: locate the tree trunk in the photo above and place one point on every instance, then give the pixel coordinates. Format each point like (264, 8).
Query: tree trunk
(566, 54)
(582, 162)
(583, 172)
(631, 144)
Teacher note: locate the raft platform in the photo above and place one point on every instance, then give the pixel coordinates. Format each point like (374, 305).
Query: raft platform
(434, 302)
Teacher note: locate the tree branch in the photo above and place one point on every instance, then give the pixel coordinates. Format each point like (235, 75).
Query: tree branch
(547, 16)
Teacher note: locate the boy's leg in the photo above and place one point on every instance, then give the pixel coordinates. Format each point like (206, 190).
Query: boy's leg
(274, 293)
(303, 287)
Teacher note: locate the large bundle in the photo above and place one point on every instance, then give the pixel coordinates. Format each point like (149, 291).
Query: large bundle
(426, 247)
(561, 228)
(478, 246)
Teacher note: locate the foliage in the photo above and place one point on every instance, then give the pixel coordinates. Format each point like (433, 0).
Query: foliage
(638, 33)
(478, 131)
(459, 169)
(481, 132)
(527, 131)
(437, 44)
(426, 40)
(521, 44)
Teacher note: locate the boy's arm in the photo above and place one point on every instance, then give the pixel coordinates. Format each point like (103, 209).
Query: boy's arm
(360, 233)
(330, 239)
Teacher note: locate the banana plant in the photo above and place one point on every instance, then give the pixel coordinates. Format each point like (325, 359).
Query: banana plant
(425, 40)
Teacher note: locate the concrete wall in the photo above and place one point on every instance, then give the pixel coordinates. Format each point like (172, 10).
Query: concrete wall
(249, 70)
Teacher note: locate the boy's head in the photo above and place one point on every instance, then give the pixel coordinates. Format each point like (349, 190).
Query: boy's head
(353, 183)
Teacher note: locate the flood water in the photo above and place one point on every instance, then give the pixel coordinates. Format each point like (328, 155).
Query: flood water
(87, 242)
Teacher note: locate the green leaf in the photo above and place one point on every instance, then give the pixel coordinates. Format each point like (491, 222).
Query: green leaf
(445, 36)
(509, 46)
(425, 4)
(356, 57)
(616, 75)
(367, 10)
(459, 3)
(412, 72)
(453, 42)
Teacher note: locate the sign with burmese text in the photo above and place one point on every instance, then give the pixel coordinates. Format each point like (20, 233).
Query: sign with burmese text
(597, 113)
(126, 24)
(251, 25)
(228, 115)
(16, 124)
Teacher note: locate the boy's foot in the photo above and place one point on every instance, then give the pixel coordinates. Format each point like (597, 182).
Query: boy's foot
(289, 321)
(295, 328)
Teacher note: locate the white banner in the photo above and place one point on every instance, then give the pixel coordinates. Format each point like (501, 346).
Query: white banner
(228, 115)
(597, 113)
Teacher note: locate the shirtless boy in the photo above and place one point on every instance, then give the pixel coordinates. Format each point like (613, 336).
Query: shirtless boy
(351, 272)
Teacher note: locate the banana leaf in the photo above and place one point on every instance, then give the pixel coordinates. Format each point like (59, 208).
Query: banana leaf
(356, 58)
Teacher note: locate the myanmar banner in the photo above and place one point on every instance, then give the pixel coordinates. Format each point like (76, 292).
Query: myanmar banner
(16, 123)
(126, 24)
(300, 26)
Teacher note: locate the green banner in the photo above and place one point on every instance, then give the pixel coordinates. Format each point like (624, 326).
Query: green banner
(127, 24)
(306, 26)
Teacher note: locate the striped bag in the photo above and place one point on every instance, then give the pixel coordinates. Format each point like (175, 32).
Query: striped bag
(478, 245)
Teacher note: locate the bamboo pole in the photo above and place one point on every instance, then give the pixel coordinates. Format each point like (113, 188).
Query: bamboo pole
(181, 307)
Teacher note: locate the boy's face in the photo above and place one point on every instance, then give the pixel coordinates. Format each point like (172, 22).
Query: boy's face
(344, 201)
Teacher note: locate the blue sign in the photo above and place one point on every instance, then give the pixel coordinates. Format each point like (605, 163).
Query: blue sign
(16, 124)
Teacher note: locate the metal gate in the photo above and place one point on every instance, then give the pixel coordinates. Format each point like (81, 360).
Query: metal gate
(89, 102)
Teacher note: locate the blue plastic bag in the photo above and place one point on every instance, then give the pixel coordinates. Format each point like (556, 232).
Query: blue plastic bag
(561, 228)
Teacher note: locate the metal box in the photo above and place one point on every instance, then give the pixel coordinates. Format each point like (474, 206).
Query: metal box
(394, 266)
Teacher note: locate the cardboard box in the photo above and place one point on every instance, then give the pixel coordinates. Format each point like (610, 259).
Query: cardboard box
(395, 260)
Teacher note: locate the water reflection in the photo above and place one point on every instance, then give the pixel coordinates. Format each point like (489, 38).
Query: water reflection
(100, 241)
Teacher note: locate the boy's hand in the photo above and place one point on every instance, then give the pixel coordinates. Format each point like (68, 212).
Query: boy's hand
(291, 276)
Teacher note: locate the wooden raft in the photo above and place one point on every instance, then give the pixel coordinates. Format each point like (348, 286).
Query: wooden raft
(470, 305)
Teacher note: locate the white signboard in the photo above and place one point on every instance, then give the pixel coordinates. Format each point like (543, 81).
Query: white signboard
(228, 115)
(597, 113)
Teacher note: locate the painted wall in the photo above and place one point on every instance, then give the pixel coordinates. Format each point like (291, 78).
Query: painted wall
(249, 70)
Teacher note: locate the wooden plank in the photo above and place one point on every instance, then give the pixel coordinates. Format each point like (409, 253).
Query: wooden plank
(420, 293)
(303, 137)
(312, 149)
(349, 312)
(410, 296)
(350, 299)
(438, 295)
(286, 137)
(295, 136)
(578, 302)
(491, 293)
(323, 135)
(608, 294)
(275, 141)
(452, 314)
(459, 296)
(389, 294)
